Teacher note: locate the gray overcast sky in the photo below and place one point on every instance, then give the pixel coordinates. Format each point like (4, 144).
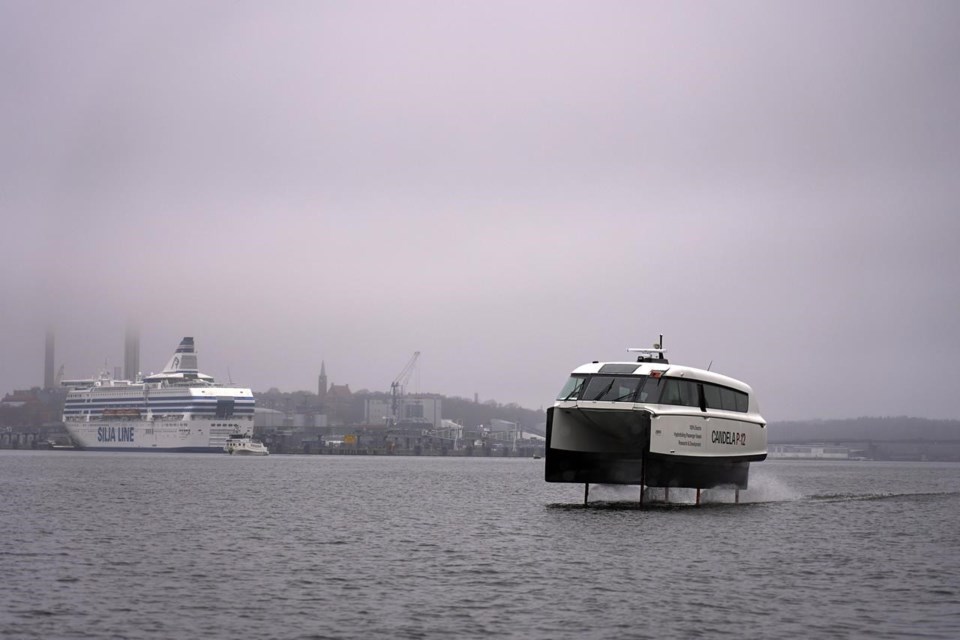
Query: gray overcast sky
(511, 188)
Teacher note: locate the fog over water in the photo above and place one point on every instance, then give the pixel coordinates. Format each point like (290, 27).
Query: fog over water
(509, 188)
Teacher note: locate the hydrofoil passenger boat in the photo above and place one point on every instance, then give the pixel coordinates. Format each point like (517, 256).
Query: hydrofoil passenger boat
(654, 424)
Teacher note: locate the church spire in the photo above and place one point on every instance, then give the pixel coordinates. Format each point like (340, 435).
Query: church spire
(322, 381)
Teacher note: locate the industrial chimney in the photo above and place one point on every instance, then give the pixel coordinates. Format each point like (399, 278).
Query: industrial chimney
(48, 361)
(131, 351)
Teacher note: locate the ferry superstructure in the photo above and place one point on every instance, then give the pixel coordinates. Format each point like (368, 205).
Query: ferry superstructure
(177, 410)
(653, 424)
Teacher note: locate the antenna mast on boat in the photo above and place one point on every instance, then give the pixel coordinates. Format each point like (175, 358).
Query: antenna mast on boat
(651, 355)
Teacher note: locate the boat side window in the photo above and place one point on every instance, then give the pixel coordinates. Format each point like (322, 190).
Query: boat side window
(689, 393)
(724, 398)
(727, 399)
(612, 388)
(571, 390)
(650, 392)
(224, 408)
(711, 396)
(680, 392)
(741, 399)
(671, 392)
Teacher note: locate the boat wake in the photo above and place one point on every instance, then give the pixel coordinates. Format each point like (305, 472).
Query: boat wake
(852, 497)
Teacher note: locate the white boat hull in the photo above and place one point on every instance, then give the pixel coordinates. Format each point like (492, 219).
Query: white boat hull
(247, 452)
(672, 448)
(244, 445)
(179, 409)
(196, 436)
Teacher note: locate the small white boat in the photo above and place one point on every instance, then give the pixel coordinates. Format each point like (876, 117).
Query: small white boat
(244, 445)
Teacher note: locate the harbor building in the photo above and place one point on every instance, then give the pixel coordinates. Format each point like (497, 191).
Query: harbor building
(409, 409)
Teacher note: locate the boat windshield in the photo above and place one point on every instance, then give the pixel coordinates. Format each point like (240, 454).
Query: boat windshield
(572, 389)
(612, 388)
(601, 388)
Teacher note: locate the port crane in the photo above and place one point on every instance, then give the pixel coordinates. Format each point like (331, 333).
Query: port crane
(396, 387)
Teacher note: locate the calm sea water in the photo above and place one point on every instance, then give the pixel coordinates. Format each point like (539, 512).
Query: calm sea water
(181, 546)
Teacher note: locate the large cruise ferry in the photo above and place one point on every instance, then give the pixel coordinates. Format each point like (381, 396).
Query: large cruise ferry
(654, 424)
(179, 409)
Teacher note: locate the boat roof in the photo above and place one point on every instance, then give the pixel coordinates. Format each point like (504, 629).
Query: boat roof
(665, 369)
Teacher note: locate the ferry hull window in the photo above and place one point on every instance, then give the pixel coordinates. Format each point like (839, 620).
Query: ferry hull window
(224, 408)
